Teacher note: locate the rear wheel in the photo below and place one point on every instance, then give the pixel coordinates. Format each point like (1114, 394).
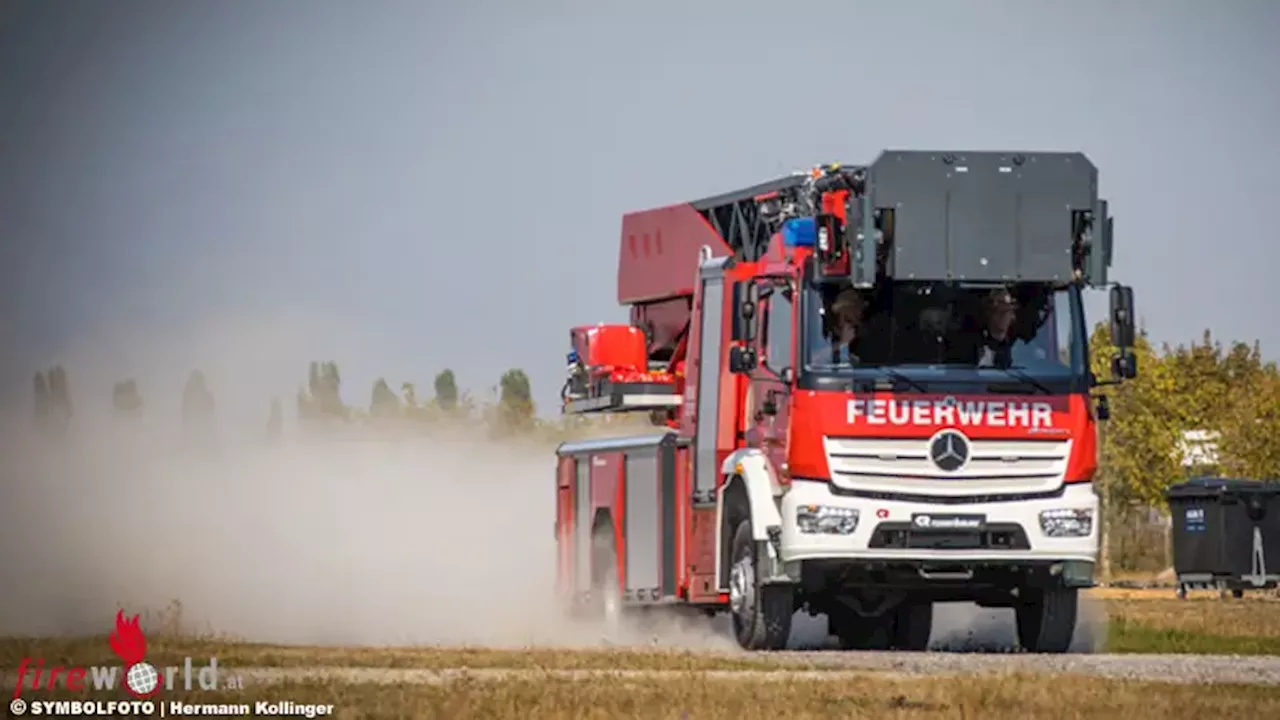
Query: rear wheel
(858, 633)
(906, 627)
(912, 626)
(1047, 619)
(761, 613)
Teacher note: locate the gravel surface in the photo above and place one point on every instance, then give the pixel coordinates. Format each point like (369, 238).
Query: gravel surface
(1189, 669)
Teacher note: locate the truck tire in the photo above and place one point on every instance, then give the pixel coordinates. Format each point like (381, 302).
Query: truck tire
(1047, 619)
(912, 626)
(858, 633)
(606, 600)
(907, 627)
(761, 613)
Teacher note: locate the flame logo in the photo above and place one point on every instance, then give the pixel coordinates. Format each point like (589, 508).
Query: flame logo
(130, 645)
(128, 642)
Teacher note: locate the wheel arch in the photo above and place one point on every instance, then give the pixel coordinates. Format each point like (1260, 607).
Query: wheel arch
(735, 506)
(749, 491)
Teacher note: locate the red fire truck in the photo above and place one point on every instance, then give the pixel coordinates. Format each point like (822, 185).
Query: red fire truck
(937, 443)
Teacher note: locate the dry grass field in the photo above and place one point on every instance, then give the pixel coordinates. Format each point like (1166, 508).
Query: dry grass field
(691, 694)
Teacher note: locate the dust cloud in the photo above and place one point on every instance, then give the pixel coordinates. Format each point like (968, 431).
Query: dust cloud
(386, 540)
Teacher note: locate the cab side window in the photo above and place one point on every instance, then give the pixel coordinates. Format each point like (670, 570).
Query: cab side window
(779, 331)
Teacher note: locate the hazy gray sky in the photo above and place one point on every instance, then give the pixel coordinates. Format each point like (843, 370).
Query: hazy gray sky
(449, 177)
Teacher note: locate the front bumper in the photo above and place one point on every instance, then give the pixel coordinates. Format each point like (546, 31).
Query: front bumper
(1013, 531)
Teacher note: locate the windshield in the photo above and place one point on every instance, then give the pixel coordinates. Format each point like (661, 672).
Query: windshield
(931, 333)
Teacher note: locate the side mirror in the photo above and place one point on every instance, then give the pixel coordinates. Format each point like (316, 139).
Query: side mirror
(1122, 321)
(742, 359)
(1124, 366)
(787, 376)
(747, 296)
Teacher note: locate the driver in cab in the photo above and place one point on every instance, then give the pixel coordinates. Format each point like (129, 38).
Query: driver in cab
(995, 348)
(999, 343)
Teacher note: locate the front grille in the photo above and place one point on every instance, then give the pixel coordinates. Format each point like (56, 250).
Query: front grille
(994, 466)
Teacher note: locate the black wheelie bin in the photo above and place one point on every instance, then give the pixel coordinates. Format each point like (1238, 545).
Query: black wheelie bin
(1224, 532)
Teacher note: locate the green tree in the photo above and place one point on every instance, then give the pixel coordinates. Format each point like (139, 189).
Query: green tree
(197, 404)
(1200, 383)
(127, 401)
(1243, 364)
(384, 403)
(1250, 440)
(322, 397)
(1230, 394)
(515, 402)
(1139, 454)
(331, 396)
(446, 391)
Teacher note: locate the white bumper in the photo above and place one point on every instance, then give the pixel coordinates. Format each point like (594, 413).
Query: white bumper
(871, 513)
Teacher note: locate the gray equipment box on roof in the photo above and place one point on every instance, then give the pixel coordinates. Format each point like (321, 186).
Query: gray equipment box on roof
(990, 216)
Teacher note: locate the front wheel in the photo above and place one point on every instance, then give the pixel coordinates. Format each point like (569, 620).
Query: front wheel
(761, 613)
(1047, 619)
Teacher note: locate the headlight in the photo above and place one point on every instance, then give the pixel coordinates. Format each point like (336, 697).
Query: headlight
(1066, 522)
(821, 519)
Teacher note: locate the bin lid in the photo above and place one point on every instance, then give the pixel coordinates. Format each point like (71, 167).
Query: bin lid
(1203, 487)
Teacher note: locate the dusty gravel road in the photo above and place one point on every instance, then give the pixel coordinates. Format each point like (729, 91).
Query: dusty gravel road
(841, 665)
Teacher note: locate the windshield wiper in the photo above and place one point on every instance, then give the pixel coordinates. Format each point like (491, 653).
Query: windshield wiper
(900, 377)
(1026, 378)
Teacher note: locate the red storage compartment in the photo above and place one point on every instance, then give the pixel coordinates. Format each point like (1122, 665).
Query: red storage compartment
(620, 347)
(609, 370)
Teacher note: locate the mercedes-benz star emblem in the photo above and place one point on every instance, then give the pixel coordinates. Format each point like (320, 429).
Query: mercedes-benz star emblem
(949, 450)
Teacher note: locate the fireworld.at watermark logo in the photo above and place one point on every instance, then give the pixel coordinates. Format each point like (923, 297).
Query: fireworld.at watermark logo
(141, 679)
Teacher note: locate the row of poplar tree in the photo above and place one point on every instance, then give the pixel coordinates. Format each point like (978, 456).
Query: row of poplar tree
(319, 402)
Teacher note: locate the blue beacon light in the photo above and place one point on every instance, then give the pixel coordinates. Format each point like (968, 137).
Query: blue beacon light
(800, 232)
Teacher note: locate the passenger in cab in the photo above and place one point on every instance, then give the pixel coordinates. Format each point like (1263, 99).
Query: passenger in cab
(846, 316)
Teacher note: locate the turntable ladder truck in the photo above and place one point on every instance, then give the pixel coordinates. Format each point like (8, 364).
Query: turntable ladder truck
(779, 479)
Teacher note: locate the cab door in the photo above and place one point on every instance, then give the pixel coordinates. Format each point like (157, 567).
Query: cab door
(770, 384)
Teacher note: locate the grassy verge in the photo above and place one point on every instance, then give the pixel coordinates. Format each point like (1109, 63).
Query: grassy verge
(168, 651)
(1129, 637)
(1012, 697)
(1196, 626)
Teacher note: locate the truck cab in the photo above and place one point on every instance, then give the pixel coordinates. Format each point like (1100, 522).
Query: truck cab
(876, 396)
